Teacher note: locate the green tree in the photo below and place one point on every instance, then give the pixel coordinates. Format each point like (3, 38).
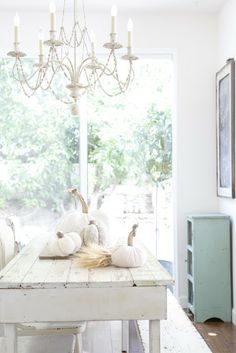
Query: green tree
(37, 146)
(154, 145)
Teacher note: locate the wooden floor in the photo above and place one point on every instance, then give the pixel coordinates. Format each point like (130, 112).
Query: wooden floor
(220, 337)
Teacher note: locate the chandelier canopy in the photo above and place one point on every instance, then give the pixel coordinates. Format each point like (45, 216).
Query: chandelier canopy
(74, 56)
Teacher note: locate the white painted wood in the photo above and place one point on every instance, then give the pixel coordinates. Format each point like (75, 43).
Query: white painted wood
(58, 291)
(125, 336)
(27, 271)
(100, 277)
(77, 277)
(13, 274)
(37, 330)
(46, 344)
(154, 336)
(58, 273)
(121, 277)
(115, 329)
(83, 148)
(37, 274)
(26, 250)
(78, 344)
(10, 335)
(178, 335)
(73, 304)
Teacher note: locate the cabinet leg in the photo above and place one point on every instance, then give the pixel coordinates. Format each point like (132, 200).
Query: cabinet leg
(154, 336)
(125, 336)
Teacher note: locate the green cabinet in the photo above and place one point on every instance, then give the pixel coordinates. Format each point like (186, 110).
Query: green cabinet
(209, 266)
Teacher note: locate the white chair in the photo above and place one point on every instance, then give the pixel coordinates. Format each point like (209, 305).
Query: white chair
(8, 249)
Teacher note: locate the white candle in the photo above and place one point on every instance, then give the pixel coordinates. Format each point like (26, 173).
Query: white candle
(52, 9)
(40, 37)
(16, 27)
(113, 19)
(130, 33)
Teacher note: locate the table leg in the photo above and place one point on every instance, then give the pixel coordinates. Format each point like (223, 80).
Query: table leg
(10, 338)
(154, 336)
(125, 336)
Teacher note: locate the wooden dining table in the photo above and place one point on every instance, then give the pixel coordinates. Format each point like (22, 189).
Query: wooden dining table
(34, 290)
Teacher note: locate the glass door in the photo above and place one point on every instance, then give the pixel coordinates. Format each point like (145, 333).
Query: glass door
(130, 155)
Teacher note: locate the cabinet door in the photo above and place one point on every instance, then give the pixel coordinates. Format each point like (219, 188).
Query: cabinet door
(212, 263)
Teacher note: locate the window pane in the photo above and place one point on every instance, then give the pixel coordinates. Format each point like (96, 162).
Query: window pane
(130, 155)
(39, 155)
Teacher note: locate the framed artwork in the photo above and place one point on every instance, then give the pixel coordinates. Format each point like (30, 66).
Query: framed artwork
(225, 114)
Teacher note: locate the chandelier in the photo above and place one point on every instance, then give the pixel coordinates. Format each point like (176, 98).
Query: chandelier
(73, 57)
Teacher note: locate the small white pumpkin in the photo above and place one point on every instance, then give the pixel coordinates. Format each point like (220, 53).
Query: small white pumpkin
(128, 256)
(94, 233)
(122, 256)
(76, 239)
(65, 244)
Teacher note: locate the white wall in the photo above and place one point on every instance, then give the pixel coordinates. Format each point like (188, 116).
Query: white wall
(227, 49)
(193, 39)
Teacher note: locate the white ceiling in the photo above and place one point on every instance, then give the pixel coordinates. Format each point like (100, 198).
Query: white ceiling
(123, 5)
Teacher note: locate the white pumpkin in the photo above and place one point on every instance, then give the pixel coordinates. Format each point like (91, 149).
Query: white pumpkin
(76, 221)
(128, 256)
(73, 221)
(76, 239)
(122, 256)
(65, 244)
(94, 233)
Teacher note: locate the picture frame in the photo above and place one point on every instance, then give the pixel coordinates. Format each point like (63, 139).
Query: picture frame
(225, 116)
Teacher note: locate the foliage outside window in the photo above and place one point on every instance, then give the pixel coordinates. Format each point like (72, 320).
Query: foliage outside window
(129, 140)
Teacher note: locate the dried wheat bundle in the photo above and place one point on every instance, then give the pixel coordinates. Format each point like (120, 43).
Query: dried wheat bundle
(95, 256)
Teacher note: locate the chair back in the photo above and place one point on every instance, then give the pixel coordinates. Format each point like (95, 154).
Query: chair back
(7, 242)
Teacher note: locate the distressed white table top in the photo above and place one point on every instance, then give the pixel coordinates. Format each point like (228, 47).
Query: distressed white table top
(26, 270)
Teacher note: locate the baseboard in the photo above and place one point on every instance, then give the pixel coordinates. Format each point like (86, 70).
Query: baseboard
(234, 316)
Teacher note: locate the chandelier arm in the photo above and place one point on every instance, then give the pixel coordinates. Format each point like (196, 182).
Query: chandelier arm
(16, 74)
(26, 81)
(56, 96)
(105, 67)
(81, 67)
(90, 78)
(122, 85)
(54, 72)
(102, 66)
(62, 65)
(63, 37)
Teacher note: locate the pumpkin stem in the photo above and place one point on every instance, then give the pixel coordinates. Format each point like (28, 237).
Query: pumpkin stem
(77, 195)
(132, 234)
(60, 235)
(92, 221)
